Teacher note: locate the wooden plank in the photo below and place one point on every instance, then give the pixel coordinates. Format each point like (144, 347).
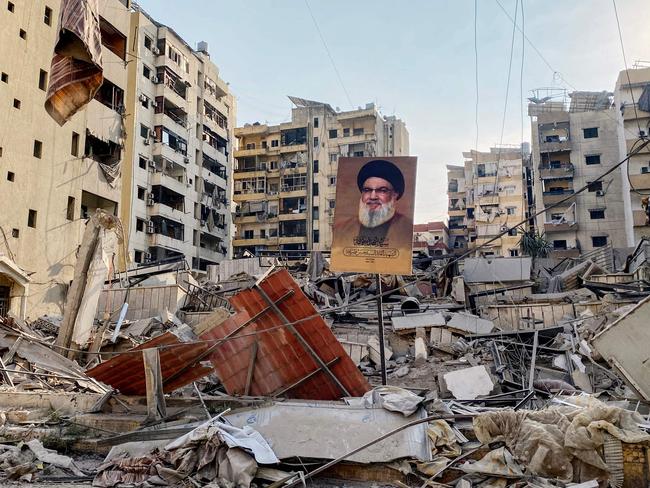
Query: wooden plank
(156, 408)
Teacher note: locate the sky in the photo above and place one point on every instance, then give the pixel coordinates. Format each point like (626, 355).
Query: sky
(414, 59)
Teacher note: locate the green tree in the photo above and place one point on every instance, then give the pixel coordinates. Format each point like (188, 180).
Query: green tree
(534, 244)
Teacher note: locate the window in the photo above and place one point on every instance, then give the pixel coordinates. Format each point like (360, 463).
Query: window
(645, 170)
(316, 237)
(332, 180)
(4, 77)
(315, 122)
(10, 176)
(331, 203)
(47, 16)
(592, 159)
(16, 103)
(144, 131)
(142, 162)
(333, 133)
(141, 193)
(137, 256)
(15, 233)
(10, 6)
(314, 213)
(315, 189)
(358, 154)
(112, 38)
(333, 158)
(595, 186)
(263, 233)
(31, 218)
(38, 149)
(315, 165)
(358, 131)
(69, 213)
(510, 210)
(597, 214)
(599, 241)
(144, 101)
(556, 164)
(275, 143)
(22, 34)
(248, 234)
(264, 145)
(316, 141)
(42, 80)
(590, 133)
(146, 72)
(140, 225)
(74, 144)
(514, 252)
(559, 244)
(148, 42)
(250, 145)
(346, 132)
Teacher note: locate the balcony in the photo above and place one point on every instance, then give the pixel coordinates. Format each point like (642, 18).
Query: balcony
(245, 153)
(551, 197)
(565, 171)
(292, 216)
(168, 152)
(640, 181)
(549, 227)
(254, 218)
(294, 148)
(456, 212)
(639, 218)
(248, 196)
(253, 241)
(165, 211)
(170, 182)
(292, 240)
(490, 199)
(246, 173)
(211, 255)
(555, 146)
(160, 240)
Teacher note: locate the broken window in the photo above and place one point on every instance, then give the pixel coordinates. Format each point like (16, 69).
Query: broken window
(171, 139)
(292, 137)
(112, 38)
(172, 80)
(216, 141)
(104, 152)
(111, 95)
(595, 186)
(559, 244)
(141, 193)
(140, 225)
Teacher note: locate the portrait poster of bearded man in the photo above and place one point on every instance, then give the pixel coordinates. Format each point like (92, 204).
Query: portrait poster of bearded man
(373, 217)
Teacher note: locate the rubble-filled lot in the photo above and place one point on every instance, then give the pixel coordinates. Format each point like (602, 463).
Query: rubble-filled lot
(500, 372)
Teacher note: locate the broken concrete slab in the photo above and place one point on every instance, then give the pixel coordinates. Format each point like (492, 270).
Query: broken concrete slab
(470, 323)
(469, 383)
(324, 430)
(410, 322)
(373, 350)
(421, 349)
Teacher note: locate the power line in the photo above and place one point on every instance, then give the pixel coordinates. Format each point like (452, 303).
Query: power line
(627, 72)
(476, 72)
(521, 71)
(322, 38)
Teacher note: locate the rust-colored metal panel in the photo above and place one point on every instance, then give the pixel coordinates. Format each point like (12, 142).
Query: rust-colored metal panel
(125, 372)
(281, 359)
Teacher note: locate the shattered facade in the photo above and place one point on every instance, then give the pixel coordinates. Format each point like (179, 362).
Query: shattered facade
(285, 175)
(54, 177)
(574, 142)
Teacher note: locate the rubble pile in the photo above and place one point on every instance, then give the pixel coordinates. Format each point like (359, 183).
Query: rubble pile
(493, 374)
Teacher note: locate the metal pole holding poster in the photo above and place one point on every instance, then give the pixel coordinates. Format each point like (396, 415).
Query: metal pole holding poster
(382, 347)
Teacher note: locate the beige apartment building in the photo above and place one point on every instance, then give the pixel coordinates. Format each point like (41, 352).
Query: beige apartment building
(632, 98)
(180, 122)
(52, 178)
(431, 238)
(575, 139)
(285, 175)
(458, 223)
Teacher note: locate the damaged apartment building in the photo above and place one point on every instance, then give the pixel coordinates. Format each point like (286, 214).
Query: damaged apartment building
(285, 175)
(487, 195)
(175, 195)
(54, 177)
(575, 140)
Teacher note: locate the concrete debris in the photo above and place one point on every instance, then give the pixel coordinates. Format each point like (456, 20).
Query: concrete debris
(482, 384)
(469, 383)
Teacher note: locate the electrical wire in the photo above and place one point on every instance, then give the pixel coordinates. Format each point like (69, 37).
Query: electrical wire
(627, 72)
(329, 54)
(476, 83)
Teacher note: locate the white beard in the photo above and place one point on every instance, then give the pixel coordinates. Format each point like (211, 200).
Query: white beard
(375, 218)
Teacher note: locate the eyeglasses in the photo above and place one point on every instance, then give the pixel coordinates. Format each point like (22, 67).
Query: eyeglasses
(380, 191)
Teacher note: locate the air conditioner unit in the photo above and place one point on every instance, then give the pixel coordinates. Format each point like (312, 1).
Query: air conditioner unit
(152, 133)
(151, 163)
(150, 201)
(146, 256)
(155, 51)
(600, 193)
(143, 97)
(154, 104)
(155, 80)
(146, 142)
(150, 227)
(186, 160)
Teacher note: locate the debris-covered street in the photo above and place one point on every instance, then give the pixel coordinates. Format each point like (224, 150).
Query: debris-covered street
(275, 378)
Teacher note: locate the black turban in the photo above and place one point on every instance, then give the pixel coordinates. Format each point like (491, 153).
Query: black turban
(386, 170)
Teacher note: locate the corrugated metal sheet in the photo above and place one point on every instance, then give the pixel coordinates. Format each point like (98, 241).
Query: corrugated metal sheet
(281, 360)
(125, 372)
